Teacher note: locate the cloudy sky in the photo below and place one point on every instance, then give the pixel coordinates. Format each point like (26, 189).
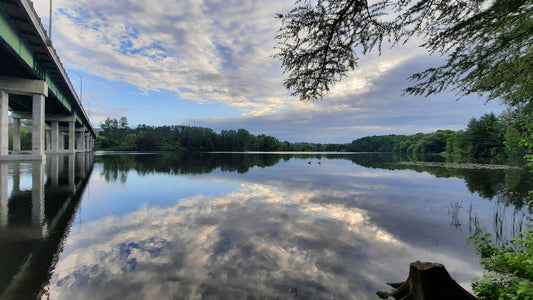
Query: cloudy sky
(209, 63)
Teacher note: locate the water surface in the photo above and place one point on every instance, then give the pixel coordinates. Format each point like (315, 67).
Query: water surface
(245, 226)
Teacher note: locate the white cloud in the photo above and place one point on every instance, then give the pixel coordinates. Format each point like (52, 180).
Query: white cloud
(217, 51)
(221, 52)
(258, 241)
(373, 108)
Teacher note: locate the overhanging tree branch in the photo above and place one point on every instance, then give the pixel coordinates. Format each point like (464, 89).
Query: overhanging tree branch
(319, 40)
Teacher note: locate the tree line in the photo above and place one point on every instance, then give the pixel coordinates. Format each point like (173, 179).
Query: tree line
(490, 136)
(116, 135)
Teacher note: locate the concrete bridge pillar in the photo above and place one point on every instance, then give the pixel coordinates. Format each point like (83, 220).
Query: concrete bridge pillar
(4, 108)
(71, 136)
(83, 139)
(55, 136)
(4, 197)
(38, 90)
(47, 139)
(16, 135)
(61, 140)
(37, 138)
(87, 146)
(80, 140)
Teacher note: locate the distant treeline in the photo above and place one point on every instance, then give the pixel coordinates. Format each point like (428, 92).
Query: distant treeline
(489, 136)
(116, 135)
(504, 136)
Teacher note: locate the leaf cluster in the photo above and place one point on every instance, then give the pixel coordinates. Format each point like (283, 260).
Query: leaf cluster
(509, 269)
(317, 41)
(488, 44)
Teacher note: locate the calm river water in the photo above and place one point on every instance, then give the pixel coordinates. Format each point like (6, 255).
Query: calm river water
(243, 226)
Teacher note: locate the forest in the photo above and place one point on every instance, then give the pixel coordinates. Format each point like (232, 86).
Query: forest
(490, 136)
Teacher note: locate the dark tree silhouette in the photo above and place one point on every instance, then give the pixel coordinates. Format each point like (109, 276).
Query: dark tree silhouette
(488, 44)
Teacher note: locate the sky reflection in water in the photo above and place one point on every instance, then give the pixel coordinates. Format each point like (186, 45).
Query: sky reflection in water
(334, 230)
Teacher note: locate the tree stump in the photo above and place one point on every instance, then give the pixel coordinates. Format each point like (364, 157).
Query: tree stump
(427, 281)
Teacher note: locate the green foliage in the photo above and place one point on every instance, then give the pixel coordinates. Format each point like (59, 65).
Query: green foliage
(25, 139)
(419, 143)
(483, 137)
(116, 135)
(487, 43)
(506, 136)
(114, 131)
(518, 138)
(526, 139)
(128, 142)
(509, 270)
(511, 141)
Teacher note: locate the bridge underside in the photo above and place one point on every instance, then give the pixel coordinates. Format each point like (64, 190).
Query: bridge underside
(27, 101)
(12, 66)
(27, 61)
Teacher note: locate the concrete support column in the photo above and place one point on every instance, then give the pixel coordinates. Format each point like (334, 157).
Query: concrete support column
(55, 135)
(87, 147)
(48, 137)
(37, 139)
(83, 141)
(4, 108)
(61, 141)
(78, 140)
(4, 196)
(71, 136)
(16, 134)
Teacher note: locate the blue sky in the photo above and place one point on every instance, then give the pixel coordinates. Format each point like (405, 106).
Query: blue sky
(209, 63)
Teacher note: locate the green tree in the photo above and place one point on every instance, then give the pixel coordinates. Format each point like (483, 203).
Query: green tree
(484, 137)
(518, 137)
(114, 131)
(456, 145)
(128, 143)
(266, 143)
(25, 139)
(512, 143)
(487, 43)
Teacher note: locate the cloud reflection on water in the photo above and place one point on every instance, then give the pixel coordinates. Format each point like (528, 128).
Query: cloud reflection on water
(258, 242)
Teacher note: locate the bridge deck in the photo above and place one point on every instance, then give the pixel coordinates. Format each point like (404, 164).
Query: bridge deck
(26, 52)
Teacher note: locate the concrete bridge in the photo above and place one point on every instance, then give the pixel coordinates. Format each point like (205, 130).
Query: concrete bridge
(34, 85)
